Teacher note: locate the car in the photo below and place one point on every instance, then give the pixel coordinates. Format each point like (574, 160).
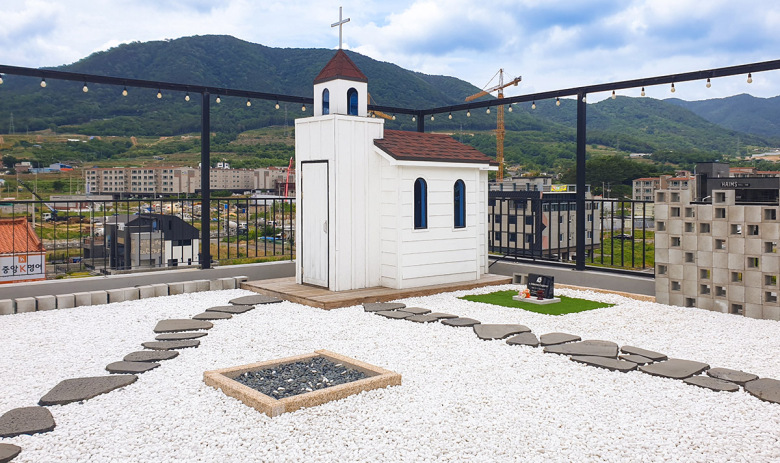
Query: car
(623, 237)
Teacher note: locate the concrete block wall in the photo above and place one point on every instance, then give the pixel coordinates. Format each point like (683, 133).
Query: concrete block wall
(719, 256)
(67, 301)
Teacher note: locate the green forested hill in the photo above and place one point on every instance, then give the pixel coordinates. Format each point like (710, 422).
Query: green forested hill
(744, 113)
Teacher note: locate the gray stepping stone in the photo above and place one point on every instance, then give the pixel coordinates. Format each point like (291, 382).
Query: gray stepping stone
(733, 376)
(638, 359)
(416, 310)
(604, 362)
(675, 368)
(524, 339)
(8, 452)
(170, 345)
(654, 356)
(255, 299)
(711, 383)
(396, 314)
(180, 336)
(182, 324)
(460, 321)
(497, 331)
(441, 315)
(234, 309)
(765, 389)
(26, 420)
(131, 367)
(551, 339)
(212, 316)
(379, 306)
(150, 355)
(422, 319)
(585, 348)
(78, 389)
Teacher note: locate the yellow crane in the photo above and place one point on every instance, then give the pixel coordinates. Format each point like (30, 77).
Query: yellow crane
(379, 113)
(500, 131)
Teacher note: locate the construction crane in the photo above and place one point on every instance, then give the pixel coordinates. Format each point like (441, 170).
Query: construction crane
(500, 131)
(380, 113)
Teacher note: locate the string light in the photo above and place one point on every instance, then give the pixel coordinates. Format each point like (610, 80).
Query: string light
(43, 82)
(303, 108)
(468, 113)
(393, 116)
(673, 90)
(510, 107)
(277, 104)
(533, 105)
(750, 78)
(85, 89)
(584, 98)
(557, 101)
(159, 94)
(709, 84)
(414, 119)
(488, 110)
(187, 97)
(431, 116)
(450, 116)
(124, 91)
(643, 91)
(248, 103)
(614, 95)
(1, 79)
(218, 100)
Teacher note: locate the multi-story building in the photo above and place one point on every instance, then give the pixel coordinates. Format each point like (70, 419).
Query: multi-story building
(716, 246)
(169, 180)
(644, 188)
(537, 218)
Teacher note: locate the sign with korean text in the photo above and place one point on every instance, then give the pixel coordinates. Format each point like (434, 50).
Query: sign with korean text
(22, 267)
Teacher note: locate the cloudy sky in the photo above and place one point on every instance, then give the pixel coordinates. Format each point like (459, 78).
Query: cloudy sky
(551, 43)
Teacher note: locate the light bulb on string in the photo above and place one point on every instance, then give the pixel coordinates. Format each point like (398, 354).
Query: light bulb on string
(124, 91)
(393, 116)
(1, 79)
(709, 84)
(614, 95)
(43, 82)
(673, 90)
(584, 98)
(557, 101)
(303, 108)
(218, 100)
(431, 116)
(488, 110)
(533, 105)
(468, 113)
(85, 89)
(750, 78)
(159, 94)
(450, 116)
(414, 119)
(643, 91)
(277, 105)
(187, 97)
(510, 108)
(248, 103)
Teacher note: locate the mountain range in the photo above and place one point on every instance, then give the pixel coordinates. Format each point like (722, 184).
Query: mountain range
(541, 136)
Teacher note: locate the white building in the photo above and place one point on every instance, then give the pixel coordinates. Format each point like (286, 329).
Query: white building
(383, 208)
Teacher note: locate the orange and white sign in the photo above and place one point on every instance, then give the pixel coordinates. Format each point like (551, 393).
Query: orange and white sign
(24, 267)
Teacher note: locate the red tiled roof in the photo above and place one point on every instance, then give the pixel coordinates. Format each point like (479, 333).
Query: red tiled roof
(431, 147)
(340, 67)
(17, 236)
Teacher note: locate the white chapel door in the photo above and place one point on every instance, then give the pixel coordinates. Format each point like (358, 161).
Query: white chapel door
(314, 222)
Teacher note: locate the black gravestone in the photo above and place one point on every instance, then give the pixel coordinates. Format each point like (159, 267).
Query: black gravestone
(543, 283)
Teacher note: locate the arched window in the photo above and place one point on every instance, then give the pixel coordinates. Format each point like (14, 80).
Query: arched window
(325, 102)
(352, 102)
(420, 204)
(459, 200)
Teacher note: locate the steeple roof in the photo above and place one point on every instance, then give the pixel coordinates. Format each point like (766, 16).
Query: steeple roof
(340, 67)
(431, 147)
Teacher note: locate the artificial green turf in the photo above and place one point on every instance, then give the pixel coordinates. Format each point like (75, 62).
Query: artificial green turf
(567, 304)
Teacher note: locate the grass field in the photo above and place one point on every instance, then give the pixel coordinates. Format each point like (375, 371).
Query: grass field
(567, 304)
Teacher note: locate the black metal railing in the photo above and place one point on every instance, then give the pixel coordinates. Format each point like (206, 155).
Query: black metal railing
(536, 226)
(87, 236)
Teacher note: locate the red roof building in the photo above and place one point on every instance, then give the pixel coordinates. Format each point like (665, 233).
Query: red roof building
(432, 147)
(22, 255)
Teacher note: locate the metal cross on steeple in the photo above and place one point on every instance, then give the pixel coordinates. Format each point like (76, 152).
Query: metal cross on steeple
(340, 23)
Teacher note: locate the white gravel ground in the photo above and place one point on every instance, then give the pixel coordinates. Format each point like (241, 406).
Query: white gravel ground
(462, 399)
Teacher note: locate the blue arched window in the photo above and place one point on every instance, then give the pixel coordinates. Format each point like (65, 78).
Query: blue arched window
(325, 102)
(352, 102)
(420, 204)
(459, 200)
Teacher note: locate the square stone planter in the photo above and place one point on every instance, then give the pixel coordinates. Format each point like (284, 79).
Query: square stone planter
(223, 379)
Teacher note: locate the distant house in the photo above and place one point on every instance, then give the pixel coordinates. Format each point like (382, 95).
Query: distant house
(22, 256)
(151, 241)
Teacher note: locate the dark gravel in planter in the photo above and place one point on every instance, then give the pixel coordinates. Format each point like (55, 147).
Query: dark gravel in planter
(299, 377)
